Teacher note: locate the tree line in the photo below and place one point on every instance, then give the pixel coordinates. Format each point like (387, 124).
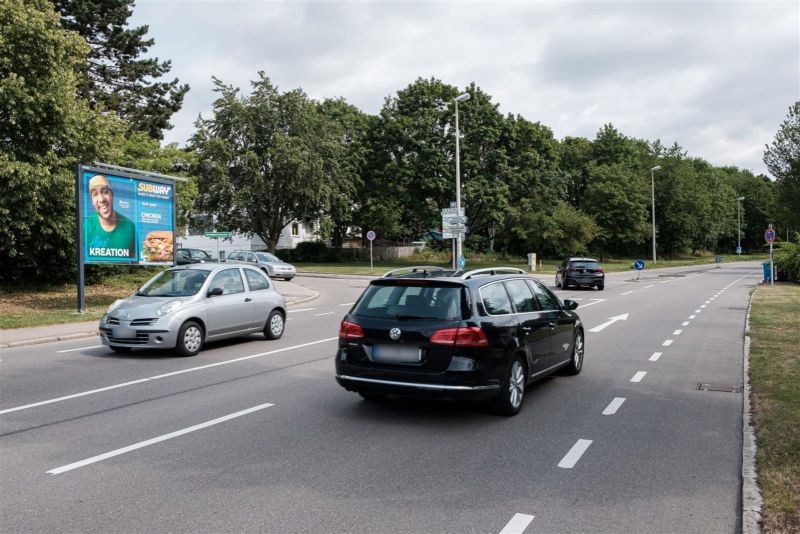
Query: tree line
(74, 89)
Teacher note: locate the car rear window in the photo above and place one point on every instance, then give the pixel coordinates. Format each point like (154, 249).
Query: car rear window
(584, 265)
(408, 301)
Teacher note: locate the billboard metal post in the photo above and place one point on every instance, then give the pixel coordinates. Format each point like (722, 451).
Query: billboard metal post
(81, 306)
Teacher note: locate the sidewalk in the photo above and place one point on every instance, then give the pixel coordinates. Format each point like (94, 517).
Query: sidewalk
(18, 337)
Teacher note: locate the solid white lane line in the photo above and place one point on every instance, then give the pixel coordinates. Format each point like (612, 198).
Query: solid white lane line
(595, 301)
(347, 304)
(73, 396)
(301, 309)
(692, 316)
(627, 292)
(647, 287)
(638, 376)
(518, 524)
(125, 384)
(321, 314)
(574, 454)
(613, 406)
(82, 348)
(677, 332)
(141, 444)
(655, 356)
(685, 323)
(667, 343)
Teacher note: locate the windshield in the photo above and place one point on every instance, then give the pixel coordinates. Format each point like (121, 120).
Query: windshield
(411, 302)
(174, 284)
(263, 256)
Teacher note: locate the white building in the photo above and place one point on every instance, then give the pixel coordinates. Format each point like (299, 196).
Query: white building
(291, 235)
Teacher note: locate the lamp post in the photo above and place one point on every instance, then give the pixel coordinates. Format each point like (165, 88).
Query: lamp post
(653, 204)
(460, 98)
(739, 228)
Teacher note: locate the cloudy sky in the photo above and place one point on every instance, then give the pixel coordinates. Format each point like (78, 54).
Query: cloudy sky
(717, 77)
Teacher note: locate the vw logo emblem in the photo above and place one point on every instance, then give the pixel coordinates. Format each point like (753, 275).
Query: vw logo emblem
(394, 333)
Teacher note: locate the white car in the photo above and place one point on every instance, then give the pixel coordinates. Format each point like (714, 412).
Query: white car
(269, 263)
(183, 307)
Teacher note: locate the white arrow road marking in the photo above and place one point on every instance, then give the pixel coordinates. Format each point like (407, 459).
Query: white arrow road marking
(518, 524)
(611, 320)
(574, 454)
(152, 441)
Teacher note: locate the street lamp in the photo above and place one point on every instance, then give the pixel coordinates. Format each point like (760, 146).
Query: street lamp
(739, 227)
(653, 204)
(456, 259)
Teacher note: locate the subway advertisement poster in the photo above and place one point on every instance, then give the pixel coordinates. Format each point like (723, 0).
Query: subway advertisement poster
(126, 220)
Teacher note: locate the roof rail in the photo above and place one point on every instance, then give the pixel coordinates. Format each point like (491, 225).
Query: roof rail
(490, 271)
(423, 270)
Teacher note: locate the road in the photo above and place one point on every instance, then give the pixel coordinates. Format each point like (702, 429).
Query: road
(255, 435)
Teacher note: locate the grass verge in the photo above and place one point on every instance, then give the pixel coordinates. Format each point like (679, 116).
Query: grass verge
(774, 378)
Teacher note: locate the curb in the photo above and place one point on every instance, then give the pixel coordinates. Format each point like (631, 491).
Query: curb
(79, 335)
(751, 494)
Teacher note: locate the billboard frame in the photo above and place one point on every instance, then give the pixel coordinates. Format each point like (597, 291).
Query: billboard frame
(122, 172)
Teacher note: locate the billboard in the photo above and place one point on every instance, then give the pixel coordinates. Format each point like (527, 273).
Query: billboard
(125, 220)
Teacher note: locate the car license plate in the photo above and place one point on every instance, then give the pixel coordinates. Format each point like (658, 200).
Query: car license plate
(123, 332)
(396, 354)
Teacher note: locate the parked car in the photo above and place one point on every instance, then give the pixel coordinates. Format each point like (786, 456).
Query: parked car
(580, 272)
(479, 335)
(184, 307)
(269, 263)
(185, 256)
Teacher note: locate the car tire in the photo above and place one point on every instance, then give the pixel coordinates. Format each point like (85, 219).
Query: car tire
(600, 287)
(275, 326)
(373, 397)
(121, 350)
(512, 392)
(288, 279)
(190, 339)
(576, 360)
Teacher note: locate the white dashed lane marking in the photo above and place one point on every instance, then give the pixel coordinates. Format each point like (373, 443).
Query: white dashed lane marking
(655, 356)
(613, 406)
(638, 376)
(574, 454)
(518, 524)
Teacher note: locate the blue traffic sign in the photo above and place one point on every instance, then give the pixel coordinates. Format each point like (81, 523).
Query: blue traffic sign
(638, 265)
(461, 262)
(769, 235)
(738, 250)
(371, 235)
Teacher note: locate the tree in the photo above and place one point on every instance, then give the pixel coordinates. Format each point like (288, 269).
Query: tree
(45, 130)
(115, 78)
(782, 159)
(265, 160)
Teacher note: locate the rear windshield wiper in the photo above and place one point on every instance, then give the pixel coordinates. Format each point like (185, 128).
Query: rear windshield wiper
(403, 317)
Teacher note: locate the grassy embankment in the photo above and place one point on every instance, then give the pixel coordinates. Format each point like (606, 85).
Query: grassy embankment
(775, 382)
(34, 306)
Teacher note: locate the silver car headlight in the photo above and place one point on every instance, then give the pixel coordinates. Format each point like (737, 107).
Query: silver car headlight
(169, 307)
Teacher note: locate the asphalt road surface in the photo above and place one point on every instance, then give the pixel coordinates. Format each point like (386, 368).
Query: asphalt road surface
(255, 435)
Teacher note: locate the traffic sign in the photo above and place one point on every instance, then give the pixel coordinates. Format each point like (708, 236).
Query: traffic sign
(218, 234)
(371, 235)
(738, 250)
(461, 262)
(769, 235)
(452, 211)
(453, 219)
(638, 265)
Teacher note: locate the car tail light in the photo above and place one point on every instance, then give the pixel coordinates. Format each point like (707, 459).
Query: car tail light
(350, 330)
(599, 271)
(571, 270)
(470, 336)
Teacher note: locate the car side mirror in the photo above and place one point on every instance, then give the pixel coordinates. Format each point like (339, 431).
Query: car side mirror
(215, 292)
(253, 261)
(570, 304)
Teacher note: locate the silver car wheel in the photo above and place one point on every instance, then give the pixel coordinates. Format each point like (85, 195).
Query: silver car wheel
(192, 338)
(276, 324)
(516, 384)
(577, 353)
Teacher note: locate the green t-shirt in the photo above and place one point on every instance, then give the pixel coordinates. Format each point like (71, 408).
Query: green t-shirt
(119, 243)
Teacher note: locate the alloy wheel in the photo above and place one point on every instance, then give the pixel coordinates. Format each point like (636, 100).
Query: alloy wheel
(516, 384)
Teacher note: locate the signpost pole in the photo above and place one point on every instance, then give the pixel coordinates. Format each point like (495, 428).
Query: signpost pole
(771, 262)
(370, 255)
(79, 237)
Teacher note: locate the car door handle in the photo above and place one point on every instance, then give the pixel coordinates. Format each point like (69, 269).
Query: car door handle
(248, 299)
(551, 324)
(527, 329)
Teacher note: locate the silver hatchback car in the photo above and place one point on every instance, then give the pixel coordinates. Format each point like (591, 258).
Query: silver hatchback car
(184, 307)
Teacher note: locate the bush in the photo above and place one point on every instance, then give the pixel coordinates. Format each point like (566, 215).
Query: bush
(787, 258)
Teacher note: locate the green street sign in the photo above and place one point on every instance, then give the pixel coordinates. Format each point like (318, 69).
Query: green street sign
(218, 234)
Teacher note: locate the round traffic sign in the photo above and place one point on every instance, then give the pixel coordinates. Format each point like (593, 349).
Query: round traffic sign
(638, 265)
(769, 235)
(461, 262)
(371, 235)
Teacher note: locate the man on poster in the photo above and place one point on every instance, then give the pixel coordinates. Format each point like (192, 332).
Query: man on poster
(109, 235)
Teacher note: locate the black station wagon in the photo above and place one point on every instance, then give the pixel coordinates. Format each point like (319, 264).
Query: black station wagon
(479, 335)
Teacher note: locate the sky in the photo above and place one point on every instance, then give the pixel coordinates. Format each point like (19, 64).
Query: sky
(716, 77)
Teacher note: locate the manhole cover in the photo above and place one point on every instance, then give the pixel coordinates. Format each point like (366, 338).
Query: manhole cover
(725, 388)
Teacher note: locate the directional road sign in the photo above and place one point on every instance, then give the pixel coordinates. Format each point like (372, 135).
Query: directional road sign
(638, 265)
(769, 235)
(218, 234)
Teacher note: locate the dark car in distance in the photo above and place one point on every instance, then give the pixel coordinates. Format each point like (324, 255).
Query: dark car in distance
(481, 335)
(186, 256)
(580, 272)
